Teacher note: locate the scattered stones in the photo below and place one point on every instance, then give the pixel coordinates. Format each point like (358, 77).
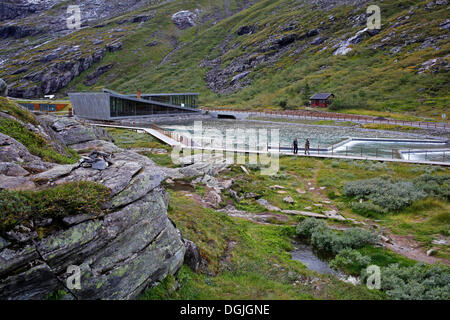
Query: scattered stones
(239, 77)
(318, 40)
(431, 252)
(439, 242)
(281, 192)
(319, 205)
(96, 160)
(300, 191)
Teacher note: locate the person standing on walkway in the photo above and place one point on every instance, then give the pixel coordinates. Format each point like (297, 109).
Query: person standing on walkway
(296, 146)
(307, 146)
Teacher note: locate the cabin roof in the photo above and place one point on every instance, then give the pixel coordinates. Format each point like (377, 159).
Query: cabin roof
(321, 96)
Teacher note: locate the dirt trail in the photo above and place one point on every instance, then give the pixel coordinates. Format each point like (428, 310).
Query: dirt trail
(408, 247)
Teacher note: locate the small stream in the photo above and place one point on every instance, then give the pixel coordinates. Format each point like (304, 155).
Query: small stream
(305, 254)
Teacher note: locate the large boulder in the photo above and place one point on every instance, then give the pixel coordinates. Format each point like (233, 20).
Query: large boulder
(69, 131)
(184, 19)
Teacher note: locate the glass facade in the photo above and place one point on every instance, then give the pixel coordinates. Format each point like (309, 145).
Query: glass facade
(182, 100)
(120, 107)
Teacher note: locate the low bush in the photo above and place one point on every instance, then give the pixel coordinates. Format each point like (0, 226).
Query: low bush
(329, 241)
(350, 261)
(418, 282)
(434, 185)
(389, 195)
(307, 227)
(64, 200)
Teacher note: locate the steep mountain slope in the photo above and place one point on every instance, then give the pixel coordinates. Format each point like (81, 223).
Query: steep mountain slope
(260, 54)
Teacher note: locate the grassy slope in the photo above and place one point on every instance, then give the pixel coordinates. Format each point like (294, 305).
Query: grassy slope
(35, 143)
(382, 79)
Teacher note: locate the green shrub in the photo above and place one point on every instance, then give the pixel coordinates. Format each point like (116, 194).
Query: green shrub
(329, 241)
(434, 185)
(326, 240)
(306, 228)
(64, 200)
(350, 261)
(391, 196)
(418, 282)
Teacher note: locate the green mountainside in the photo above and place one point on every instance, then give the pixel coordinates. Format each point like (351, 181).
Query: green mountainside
(269, 54)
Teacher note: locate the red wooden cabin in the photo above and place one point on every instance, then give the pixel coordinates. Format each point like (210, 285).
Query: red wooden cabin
(321, 100)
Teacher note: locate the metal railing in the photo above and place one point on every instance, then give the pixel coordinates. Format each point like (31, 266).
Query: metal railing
(315, 115)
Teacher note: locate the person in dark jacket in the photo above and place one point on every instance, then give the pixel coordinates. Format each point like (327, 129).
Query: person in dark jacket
(296, 146)
(307, 146)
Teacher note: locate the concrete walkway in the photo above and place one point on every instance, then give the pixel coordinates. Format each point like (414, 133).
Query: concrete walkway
(172, 142)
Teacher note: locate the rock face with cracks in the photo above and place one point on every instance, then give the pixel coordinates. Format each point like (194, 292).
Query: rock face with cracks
(131, 246)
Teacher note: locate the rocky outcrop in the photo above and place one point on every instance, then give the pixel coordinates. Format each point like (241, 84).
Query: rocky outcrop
(131, 246)
(56, 76)
(184, 19)
(92, 78)
(69, 131)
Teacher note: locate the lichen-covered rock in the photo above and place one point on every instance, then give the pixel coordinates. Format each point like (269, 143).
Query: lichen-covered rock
(131, 246)
(12, 169)
(12, 150)
(16, 183)
(70, 131)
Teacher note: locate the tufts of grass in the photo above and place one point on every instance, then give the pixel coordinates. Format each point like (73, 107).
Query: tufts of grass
(35, 144)
(56, 203)
(16, 111)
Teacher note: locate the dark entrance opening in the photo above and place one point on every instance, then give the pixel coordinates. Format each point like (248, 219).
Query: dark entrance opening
(226, 116)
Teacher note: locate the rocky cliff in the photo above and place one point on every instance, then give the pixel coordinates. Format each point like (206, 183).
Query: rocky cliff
(130, 246)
